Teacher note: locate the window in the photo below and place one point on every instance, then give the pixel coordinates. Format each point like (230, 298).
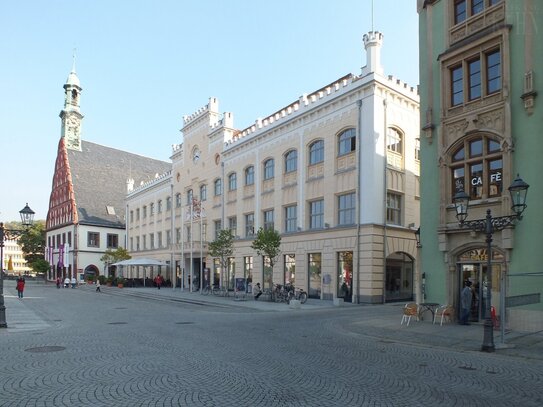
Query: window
(291, 219)
(291, 161)
(232, 182)
(218, 187)
(457, 81)
(268, 219)
(168, 203)
(151, 209)
(159, 206)
(159, 239)
(346, 209)
(218, 228)
(250, 175)
(131, 243)
(394, 208)
(484, 68)
(93, 239)
(152, 240)
(290, 267)
(417, 149)
(178, 235)
(269, 169)
(464, 9)
(394, 141)
(203, 192)
(112, 241)
(177, 200)
(316, 214)
(131, 216)
(189, 197)
(188, 230)
(144, 212)
(480, 158)
(137, 243)
(474, 71)
(249, 224)
(347, 142)
(316, 152)
(138, 214)
(168, 238)
(144, 242)
(233, 225)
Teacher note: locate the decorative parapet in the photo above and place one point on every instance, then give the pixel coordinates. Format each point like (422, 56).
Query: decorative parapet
(159, 178)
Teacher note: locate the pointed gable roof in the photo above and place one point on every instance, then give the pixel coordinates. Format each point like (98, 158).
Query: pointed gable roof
(89, 186)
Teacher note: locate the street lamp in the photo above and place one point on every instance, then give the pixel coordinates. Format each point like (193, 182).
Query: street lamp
(488, 225)
(27, 218)
(417, 237)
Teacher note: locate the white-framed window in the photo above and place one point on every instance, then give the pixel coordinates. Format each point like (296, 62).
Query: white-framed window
(232, 181)
(346, 142)
(316, 214)
(250, 175)
(316, 152)
(218, 187)
(249, 224)
(268, 219)
(346, 209)
(269, 168)
(203, 192)
(291, 161)
(394, 208)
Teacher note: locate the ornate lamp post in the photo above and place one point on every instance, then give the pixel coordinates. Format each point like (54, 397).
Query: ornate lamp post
(489, 225)
(27, 218)
(417, 237)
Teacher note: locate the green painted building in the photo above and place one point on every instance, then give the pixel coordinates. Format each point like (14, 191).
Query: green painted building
(481, 70)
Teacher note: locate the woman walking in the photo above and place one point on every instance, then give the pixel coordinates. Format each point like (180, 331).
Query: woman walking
(20, 287)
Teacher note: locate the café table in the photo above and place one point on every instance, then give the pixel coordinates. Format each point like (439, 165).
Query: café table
(427, 306)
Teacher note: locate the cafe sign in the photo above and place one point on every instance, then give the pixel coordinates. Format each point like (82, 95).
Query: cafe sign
(479, 255)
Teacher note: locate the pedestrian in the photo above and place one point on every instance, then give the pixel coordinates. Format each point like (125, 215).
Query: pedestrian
(258, 291)
(74, 282)
(20, 287)
(66, 282)
(158, 281)
(465, 303)
(58, 282)
(98, 286)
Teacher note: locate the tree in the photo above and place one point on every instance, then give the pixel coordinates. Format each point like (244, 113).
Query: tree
(222, 247)
(267, 243)
(32, 242)
(41, 266)
(113, 256)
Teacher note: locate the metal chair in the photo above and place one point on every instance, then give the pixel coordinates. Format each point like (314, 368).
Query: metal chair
(410, 309)
(444, 312)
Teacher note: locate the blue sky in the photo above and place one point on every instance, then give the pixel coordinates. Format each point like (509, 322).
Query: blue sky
(143, 65)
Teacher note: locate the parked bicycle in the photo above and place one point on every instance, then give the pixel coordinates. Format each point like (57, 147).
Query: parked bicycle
(220, 291)
(295, 294)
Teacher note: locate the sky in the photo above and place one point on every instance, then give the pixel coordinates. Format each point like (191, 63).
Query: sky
(143, 65)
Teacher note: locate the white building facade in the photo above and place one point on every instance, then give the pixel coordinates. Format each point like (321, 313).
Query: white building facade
(336, 173)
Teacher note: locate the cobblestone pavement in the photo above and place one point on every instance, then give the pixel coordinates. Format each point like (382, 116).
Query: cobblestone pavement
(76, 347)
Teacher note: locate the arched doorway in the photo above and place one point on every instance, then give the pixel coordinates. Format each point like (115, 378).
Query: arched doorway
(91, 271)
(399, 277)
(472, 265)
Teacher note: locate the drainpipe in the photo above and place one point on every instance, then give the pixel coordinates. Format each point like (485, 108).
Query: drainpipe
(172, 245)
(356, 293)
(385, 199)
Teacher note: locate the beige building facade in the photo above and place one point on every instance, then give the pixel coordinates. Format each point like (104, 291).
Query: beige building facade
(336, 173)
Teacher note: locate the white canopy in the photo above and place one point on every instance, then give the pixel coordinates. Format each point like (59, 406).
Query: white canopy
(142, 261)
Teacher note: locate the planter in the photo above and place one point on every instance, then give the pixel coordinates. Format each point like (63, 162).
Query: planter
(120, 285)
(109, 283)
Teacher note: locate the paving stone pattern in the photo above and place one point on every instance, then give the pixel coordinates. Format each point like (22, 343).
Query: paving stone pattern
(76, 347)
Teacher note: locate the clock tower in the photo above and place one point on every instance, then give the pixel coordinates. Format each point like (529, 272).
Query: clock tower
(71, 116)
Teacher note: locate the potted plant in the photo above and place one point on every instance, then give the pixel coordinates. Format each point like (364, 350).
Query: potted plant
(109, 281)
(102, 279)
(120, 282)
(90, 279)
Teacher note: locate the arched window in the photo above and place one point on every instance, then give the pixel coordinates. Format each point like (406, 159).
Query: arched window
(394, 141)
(346, 142)
(218, 187)
(203, 192)
(232, 181)
(316, 152)
(291, 161)
(269, 169)
(476, 167)
(250, 175)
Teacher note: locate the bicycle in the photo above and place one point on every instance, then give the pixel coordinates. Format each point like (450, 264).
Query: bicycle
(206, 290)
(220, 291)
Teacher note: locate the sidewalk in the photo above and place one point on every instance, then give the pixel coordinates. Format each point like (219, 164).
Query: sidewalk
(379, 321)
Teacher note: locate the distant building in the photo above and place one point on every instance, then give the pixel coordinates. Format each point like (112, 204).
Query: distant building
(481, 69)
(87, 204)
(14, 262)
(336, 172)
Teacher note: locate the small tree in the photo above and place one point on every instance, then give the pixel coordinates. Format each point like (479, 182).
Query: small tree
(32, 242)
(114, 256)
(267, 243)
(222, 247)
(41, 266)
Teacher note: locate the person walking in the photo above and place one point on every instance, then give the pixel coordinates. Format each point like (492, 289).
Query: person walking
(74, 282)
(98, 286)
(66, 282)
(465, 303)
(58, 282)
(158, 281)
(258, 291)
(20, 287)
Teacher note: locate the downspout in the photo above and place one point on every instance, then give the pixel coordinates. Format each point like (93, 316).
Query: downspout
(385, 156)
(173, 268)
(221, 282)
(356, 294)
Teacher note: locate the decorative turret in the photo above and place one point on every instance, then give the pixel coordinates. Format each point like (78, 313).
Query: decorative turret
(372, 43)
